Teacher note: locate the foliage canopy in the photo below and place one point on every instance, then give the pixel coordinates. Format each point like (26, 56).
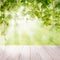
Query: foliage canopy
(47, 11)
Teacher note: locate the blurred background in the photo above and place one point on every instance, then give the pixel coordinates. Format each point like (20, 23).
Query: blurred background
(29, 22)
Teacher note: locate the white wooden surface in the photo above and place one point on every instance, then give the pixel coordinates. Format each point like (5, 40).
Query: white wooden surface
(29, 52)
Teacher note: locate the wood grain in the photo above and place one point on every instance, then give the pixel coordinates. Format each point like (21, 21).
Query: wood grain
(29, 52)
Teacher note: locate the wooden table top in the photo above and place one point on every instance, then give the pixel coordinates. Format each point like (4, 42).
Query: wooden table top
(29, 52)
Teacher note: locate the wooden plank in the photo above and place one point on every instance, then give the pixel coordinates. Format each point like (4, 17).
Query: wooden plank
(25, 53)
(29, 53)
(2, 53)
(18, 53)
(56, 50)
(35, 53)
(12, 53)
(44, 55)
(52, 53)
